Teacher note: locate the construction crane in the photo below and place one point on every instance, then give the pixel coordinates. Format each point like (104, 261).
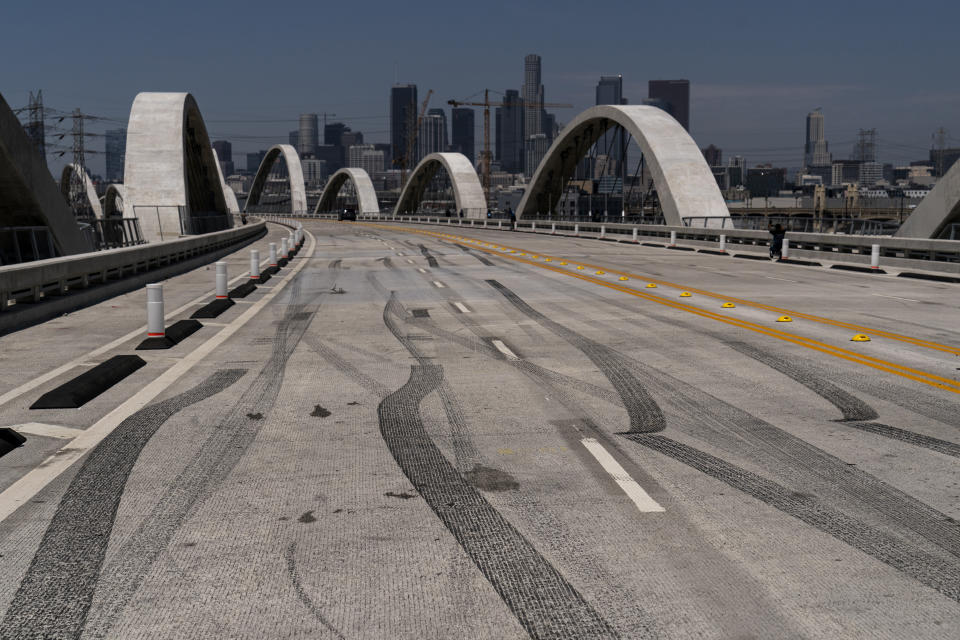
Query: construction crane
(486, 104)
(412, 139)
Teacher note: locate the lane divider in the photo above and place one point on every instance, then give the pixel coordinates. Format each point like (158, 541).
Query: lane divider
(634, 491)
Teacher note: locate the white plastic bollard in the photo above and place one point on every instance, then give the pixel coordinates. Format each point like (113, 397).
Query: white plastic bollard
(533, 226)
(875, 256)
(155, 311)
(603, 231)
(484, 223)
(273, 254)
(553, 228)
(576, 229)
(221, 280)
(785, 250)
(723, 242)
(635, 232)
(254, 264)
(283, 248)
(500, 224)
(673, 238)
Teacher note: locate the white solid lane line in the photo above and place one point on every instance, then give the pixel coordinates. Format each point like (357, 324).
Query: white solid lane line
(630, 487)
(30, 484)
(504, 349)
(783, 279)
(439, 285)
(463, 308)
(895, 297)
(48, 430)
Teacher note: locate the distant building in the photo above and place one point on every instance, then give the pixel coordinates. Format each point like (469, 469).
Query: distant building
(462, 134)
(845, 172)
(870, 174)
(432, 136)
(765, 182)
(308, 138)
(115, 154)
(314, 172)
(332, 155)
(293, 139)
(403, 119)
(537, 146)
(366, 157)
(225, 155)
(333, 133)
(533, 113)
(815, 153)
(509, 133)
(713, 156)
(940, 159)
(254, 160)
(673, 96)
(351, 138)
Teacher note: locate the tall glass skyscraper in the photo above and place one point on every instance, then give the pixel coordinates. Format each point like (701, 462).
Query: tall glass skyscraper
(815, 153)
(532, 106)
(462, 138)
(673, 96)
(611, 143)
(509, 135)
(403, 119)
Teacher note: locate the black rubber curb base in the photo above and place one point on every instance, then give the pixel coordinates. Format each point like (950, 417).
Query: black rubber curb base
(852, 267)
(270, 271)
(88, 385)
(282, 262)
(802, 263)
(651, 244)
(750, 256)
(213, 309)
(713, 252)
(175, 333)
(243, 290)
(927, 276)
(264, 276)
(10, 440)
(675, 248)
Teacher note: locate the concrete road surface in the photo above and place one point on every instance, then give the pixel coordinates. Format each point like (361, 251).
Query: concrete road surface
(417, 432)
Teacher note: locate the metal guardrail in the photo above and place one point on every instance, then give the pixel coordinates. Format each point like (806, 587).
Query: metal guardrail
(916, 253)
(33, 281)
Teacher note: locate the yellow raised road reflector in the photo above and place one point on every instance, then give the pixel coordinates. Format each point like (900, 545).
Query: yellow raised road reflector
(624, 278)
(728, 305)
(651, 286)
(860, 338)
(784, 319)
(686, 294)
(563, 263)
(600, 273)
(534, 256)
(580, 267)
(548, 259)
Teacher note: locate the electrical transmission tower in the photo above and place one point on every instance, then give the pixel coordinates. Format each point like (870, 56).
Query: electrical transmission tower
(78, 193)
(34, 126)
(940, 143)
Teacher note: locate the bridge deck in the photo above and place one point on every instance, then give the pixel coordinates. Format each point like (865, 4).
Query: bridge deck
(410, 434)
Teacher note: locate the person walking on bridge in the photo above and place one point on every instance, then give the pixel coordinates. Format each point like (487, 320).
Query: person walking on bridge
(776, 243)
(513, 218)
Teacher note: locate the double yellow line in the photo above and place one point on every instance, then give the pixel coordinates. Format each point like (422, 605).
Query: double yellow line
(823, 347)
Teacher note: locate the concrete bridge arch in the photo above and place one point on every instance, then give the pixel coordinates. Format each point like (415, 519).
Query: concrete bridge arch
(366, 194)
(685, 185)
(937, 210)
(71, 172)
(467, 190)
(113, 201)
(298, 190)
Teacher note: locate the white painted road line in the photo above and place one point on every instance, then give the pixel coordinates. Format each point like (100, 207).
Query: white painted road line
(630, 487)
(504, 349)
(30, 484)
(409, 261)
(48, 430)
(422, 270)
(463, 308)
(783, 279)
(895, 297)
(439, 285)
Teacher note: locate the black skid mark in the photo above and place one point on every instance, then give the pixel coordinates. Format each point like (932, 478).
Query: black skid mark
(54, 598)
(928, 569)
(430, 259)
(545, 604)
(291, 562)
(645, 415)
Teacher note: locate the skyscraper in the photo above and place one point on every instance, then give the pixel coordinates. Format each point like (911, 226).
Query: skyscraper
(431, 137)
(611, 143)
(463, 130)
(815, 152)
(443, 114)
(254, 160)
(510, 138)
(403, 118)
(673, 96)
(537, 146)
(308, 137)
(532, 108)
(333, 133)
(115, 153)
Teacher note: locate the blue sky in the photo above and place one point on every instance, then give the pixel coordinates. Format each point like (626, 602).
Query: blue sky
(756, 68)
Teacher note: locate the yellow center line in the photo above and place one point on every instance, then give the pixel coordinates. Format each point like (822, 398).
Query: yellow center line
(833, 350)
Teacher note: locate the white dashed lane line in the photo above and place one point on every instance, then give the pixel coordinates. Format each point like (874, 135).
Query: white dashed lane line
(48, 430)
(462, 307)
(630, 487)
(439, 285)
(422, 270)
(504, 349)
(895, 297)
